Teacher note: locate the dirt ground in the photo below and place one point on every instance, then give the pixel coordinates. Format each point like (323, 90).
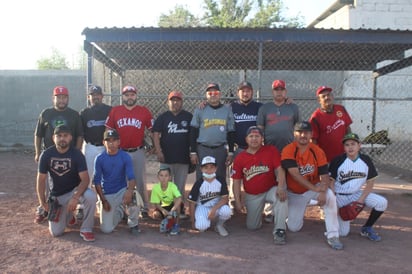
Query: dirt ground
(28, 248)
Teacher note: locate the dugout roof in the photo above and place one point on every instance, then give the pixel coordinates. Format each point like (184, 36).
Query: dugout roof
(266, 49)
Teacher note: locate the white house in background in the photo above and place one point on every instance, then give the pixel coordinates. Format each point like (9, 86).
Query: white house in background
(383, 15)
(366, 14)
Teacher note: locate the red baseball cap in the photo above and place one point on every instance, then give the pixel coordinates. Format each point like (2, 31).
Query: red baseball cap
(278, 84)
(60, 90)
(322, 89)
(176, 94)
(129, 88)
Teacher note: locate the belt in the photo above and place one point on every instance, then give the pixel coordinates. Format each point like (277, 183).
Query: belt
(210, 146)
(96, 144)
(132, 149)
(344, 193)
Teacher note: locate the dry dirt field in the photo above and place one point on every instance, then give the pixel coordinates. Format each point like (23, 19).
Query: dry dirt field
(28, 248)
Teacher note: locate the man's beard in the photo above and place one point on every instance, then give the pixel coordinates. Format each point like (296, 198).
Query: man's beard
(129, 102)
(62, 145)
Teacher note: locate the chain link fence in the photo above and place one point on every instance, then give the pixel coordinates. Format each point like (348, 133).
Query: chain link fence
(380, 116)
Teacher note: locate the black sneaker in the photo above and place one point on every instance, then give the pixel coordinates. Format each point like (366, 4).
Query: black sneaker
(135, 230)
(280, 237)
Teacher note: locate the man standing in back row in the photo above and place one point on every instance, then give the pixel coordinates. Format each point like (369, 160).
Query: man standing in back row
(171, 138)
(130, 121)
(93, 120)
(212, 128)
(330, 123)
(278, 118)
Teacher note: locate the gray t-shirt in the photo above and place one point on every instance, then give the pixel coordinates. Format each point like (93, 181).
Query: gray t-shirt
(278, 122)
(213, 124)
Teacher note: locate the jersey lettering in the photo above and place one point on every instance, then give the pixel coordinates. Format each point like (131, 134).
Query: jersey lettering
(132, 122)
(239, 118)
(214, 122)
(172, 128)
(274, 119)
(345, 177)
(335, 126)
(94, 123)
(254, 170)
(307, 169)
(208, 196)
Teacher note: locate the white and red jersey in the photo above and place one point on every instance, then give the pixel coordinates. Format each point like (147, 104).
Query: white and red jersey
(257, 170)
(130, 124)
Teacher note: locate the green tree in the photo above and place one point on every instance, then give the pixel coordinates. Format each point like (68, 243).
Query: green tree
(56, 61)
(179, 17)
(248, 13)
(233, 14)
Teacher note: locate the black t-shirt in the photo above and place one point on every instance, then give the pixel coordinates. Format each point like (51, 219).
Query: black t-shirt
(50, 118)
(174, 140)
(63, 168)
(93, 121)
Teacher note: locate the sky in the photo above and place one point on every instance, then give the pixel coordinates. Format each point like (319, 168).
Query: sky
(31, 29)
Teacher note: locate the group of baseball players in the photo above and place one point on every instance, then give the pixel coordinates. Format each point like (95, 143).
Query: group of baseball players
(281, 163)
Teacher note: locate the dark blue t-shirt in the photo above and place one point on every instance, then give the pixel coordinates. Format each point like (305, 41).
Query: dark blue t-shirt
(245, 117)
(175, 139)
(63, 168)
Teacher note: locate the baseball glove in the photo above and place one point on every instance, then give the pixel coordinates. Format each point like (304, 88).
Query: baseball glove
(166, 224)
(192, 168)
(351, 211)
(137, 199)
(54, 209)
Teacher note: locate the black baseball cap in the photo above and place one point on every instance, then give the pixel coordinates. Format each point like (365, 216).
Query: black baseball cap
(303, 126)
(62, 129)
(111, 133)
(95, 89)
(212, 86)
(244, 84)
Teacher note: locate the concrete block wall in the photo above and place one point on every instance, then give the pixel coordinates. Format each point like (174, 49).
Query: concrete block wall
(371, 14)
(25, 93)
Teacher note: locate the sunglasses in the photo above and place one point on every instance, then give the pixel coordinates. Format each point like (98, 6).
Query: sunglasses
(213, 93)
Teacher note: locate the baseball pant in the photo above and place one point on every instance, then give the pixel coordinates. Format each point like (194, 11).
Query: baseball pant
(255, 204)
(110, 219)
(230, 186)
(139, 169)
(88, 199)
(202, 222)
(179, 175)
(373, 200)
(90, 152)
(219, 153)
(297, 206)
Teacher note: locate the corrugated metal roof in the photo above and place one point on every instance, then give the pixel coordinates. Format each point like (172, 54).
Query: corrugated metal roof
(319, 49)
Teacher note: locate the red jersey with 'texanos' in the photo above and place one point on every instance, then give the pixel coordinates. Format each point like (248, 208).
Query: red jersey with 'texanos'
(130, 124)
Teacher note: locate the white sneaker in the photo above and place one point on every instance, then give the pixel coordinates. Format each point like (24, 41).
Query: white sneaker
(221, 230)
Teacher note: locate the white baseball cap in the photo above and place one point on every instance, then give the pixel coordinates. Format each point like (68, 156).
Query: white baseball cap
(208, 160)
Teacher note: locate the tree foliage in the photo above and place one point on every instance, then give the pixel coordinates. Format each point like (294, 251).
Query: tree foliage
(57, 61)
(179, 17)
(233, 14)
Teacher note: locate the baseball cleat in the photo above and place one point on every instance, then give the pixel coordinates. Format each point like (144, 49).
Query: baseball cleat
(367, 231)
(221, 230)
(335, 243)
(280, 237)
